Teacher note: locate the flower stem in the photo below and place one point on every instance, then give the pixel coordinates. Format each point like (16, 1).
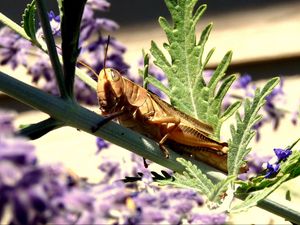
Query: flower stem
(41, 9)
(281, 210)
(39, 129)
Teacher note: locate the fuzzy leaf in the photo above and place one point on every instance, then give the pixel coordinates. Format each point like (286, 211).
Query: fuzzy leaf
(243, 133)
(28, 21)
(220, 188)
(184, 65)
(230, 110)
(192, 178)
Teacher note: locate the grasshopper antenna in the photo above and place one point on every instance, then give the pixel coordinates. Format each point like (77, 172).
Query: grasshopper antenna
(83, 64)
(87, 66)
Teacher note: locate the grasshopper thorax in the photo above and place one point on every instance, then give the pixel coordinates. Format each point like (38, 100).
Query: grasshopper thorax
(109, 90)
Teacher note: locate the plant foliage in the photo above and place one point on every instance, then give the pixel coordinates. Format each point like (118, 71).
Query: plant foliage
(187, 89)
(193, 178)
(243, 132)
(29, 23)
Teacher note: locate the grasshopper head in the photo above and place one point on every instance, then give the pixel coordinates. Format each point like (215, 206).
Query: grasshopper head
(109, 89)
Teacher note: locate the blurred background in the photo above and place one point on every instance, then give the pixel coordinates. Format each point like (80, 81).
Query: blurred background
(263, 35)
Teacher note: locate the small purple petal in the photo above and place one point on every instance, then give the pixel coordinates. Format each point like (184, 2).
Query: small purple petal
(107, 24)
(20, 211)
(272, 170)
(101, 5)
(213, 219)
(183, 207)
(282, 154)
(37, 202)
(101, 144)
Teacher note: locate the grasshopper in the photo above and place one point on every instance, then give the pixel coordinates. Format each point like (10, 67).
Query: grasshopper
(143, 111)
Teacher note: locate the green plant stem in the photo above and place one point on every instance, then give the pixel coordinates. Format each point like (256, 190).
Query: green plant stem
(278, 209)
(41, 9)
(39, 129)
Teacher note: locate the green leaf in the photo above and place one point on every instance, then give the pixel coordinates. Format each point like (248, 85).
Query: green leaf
(243, 133)
(257, 196)
(28, 21)
(220, 188)
(71, 14)
(220, 71)
(230, 110)
(184, 65)
(191, 178)
(152, 80)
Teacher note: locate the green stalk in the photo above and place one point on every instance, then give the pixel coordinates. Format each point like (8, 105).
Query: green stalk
(37, 130)
(41, 9)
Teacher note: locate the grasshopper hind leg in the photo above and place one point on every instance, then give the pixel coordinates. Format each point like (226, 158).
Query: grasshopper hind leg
(164, 150)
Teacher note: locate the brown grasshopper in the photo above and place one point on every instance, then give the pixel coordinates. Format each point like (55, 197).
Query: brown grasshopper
(144, 112)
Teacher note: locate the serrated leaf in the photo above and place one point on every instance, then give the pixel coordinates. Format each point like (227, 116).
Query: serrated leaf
(200, 181)
(220, 188)
(220, 71)
(28, 21)
(231, 110)
(160, 59)
(191, 178)
(209, 54)
(243, 133)
(188, 90)
(152, 80)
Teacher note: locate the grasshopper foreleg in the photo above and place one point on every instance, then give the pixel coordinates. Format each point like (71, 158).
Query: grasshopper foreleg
(165, 120)
(106, 120)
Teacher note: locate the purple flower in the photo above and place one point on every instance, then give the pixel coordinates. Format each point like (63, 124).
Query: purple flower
(282, 154)
(243, 81)
(272, 170)
(101, 5)
(13, 48)
(40, 194)
(255, 165)
(6, 125)
(52, 16)
(107, 24)
(101, 144)
(216, 219)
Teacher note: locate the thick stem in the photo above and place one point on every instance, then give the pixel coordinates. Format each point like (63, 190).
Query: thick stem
(281, 210)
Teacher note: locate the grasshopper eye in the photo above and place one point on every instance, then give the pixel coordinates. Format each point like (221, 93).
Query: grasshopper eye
(114, 76)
